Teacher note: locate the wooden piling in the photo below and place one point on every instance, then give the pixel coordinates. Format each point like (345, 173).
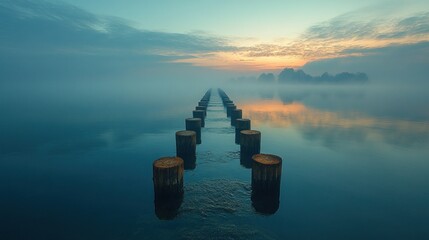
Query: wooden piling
(250, 144)
(266, 176)
(241, 124)
(227, 101)
(235, 114)
(203, 103)
(186, 147)
(199, 114)
(168, 177)
(194, 124)
(229, 109)
(204, 108)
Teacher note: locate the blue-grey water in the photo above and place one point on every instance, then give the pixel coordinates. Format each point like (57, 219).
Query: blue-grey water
(76, 162)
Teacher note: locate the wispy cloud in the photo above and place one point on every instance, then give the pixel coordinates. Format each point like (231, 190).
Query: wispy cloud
(333, 38)
(43, 27)
(329, 39)
(46, 39)
(46, 26)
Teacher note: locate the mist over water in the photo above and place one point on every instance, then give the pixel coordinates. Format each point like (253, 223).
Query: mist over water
(76, 161)
(88, 101)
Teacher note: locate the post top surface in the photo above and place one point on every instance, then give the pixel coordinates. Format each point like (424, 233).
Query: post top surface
(168, 162)
(185, 133)
(193, 119)
(250, 132)
(242, 120)
(267, 159)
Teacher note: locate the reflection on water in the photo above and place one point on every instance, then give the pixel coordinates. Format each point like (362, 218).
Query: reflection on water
(316, 122)
(265, 204)
(220, 197)
(167, 208)
(77, 164)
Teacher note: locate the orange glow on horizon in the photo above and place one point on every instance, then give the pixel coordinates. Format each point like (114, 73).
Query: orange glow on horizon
(259, 56)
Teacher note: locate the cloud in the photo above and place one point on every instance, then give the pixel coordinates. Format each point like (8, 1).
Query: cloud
(354, 26)
(62, 26)
(37, 38)
(406, 63)
(344, 35)
(44, 35)
(410, 26)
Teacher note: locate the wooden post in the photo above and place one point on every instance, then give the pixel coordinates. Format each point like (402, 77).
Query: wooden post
(204, 108)
(203, 103)
(227, 101)
(186, 147)
(241, 124)
(266, 176)
(229, 108)
(235, 114)
(250, 144)
(168, 177)
(199, 114)
(194, 124)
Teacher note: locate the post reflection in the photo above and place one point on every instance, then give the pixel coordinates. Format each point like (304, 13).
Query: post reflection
(168, 208)
(266, 204)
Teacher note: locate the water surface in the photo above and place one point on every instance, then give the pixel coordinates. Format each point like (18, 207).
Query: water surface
(76, 162)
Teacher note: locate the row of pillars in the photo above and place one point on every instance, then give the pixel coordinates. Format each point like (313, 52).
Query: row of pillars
(168, 171)
(266, 168)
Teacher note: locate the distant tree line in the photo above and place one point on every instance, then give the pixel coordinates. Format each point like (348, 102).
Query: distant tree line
(289, 75)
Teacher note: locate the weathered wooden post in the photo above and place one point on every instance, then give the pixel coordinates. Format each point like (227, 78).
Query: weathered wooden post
(266, 176)
(241, 124)
(235, 114)
(227, 101)
(168, 177)
(229, 108)
(186, 147)
(204, 108)
(199, 114)
(203, 103)
(194, 124)
(250, 144)
(168, 186)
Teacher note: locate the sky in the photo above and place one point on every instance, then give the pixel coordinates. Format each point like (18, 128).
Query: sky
(261, 20)
(226, 37)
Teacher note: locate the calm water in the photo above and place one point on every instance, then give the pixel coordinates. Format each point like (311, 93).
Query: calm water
(76, 162)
